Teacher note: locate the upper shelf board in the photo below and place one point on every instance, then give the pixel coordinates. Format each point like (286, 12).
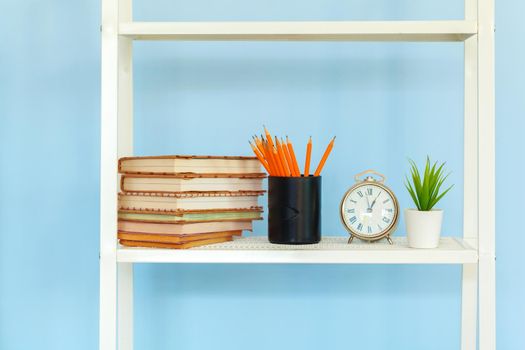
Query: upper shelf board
(458, 30)
(331, 250)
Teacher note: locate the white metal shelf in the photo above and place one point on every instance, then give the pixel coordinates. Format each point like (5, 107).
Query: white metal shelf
(475, 251)
(458, 30)
(331, 250)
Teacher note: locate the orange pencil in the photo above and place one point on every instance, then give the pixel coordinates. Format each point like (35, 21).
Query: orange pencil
(287, 164)
(271, 160)
(288, 157)
(261, 149)
(325, 156)
(258, 143)
(279, 165)
(260, 157)
(275, 154)
(268, 137)
(257, 151)
(286, 153)
(308, 156)
(289, 146)
(271, 151)
(282, 157)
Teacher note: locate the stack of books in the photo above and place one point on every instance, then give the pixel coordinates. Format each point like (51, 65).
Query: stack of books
(187, 201)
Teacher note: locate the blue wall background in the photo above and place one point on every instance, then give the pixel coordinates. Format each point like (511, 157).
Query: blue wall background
(385, 102)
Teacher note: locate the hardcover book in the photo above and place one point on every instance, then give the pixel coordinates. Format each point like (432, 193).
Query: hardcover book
(188, 200)
(181, 229)
(185, 245)
(189, 164)
(191, 182)
(184, 217)
(141, 237)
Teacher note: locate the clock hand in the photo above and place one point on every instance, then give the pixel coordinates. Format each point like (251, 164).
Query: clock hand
(374, 202)
(368, 202)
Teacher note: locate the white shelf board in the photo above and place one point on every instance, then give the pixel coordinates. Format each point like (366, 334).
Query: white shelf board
(331, 250)
(458, 30)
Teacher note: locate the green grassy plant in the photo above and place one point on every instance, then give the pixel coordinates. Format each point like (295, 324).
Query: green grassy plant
(426, 192)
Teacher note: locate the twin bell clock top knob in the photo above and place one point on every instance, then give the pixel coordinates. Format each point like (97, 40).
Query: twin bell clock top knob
(369, 209)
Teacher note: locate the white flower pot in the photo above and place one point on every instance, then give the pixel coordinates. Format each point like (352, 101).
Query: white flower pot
(423, 227)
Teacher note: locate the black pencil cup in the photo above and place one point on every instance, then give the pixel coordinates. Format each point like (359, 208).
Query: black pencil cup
(294, 210)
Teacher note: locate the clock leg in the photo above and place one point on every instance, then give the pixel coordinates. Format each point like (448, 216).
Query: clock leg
(389, 240)
(350, 239)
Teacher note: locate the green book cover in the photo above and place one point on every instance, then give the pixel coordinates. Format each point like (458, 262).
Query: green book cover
(189, 217)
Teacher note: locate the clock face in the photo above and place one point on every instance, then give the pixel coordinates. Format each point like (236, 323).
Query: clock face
(369, 211)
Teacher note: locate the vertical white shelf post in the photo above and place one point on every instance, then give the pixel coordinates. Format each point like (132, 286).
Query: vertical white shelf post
(469, 294)
(116, 280)
(125, 148)
(108, 176)
(486, 176)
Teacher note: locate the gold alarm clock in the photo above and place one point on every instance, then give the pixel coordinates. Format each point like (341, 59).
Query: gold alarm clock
(369, 209)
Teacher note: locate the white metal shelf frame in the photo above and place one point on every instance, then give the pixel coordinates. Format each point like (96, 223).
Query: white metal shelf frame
(331, 250)
(475, 252)
(302, 31)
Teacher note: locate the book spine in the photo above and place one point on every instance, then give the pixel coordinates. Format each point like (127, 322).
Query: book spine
(122, 178)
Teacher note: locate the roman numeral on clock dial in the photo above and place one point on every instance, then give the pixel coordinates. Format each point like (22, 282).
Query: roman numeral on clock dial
(368, 210)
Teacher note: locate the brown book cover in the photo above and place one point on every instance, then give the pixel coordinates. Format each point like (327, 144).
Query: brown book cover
(197, 183)
(193, 194)
(168, 228)
(185, 245)
(183, 212)
(178, 156)
(130, 236)
(186, 217)
(177, 164)
(224, 200)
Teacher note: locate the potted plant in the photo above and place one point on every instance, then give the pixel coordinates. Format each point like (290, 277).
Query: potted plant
(423, 224)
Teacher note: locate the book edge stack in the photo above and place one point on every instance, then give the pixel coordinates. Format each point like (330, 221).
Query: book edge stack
(187, 218)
